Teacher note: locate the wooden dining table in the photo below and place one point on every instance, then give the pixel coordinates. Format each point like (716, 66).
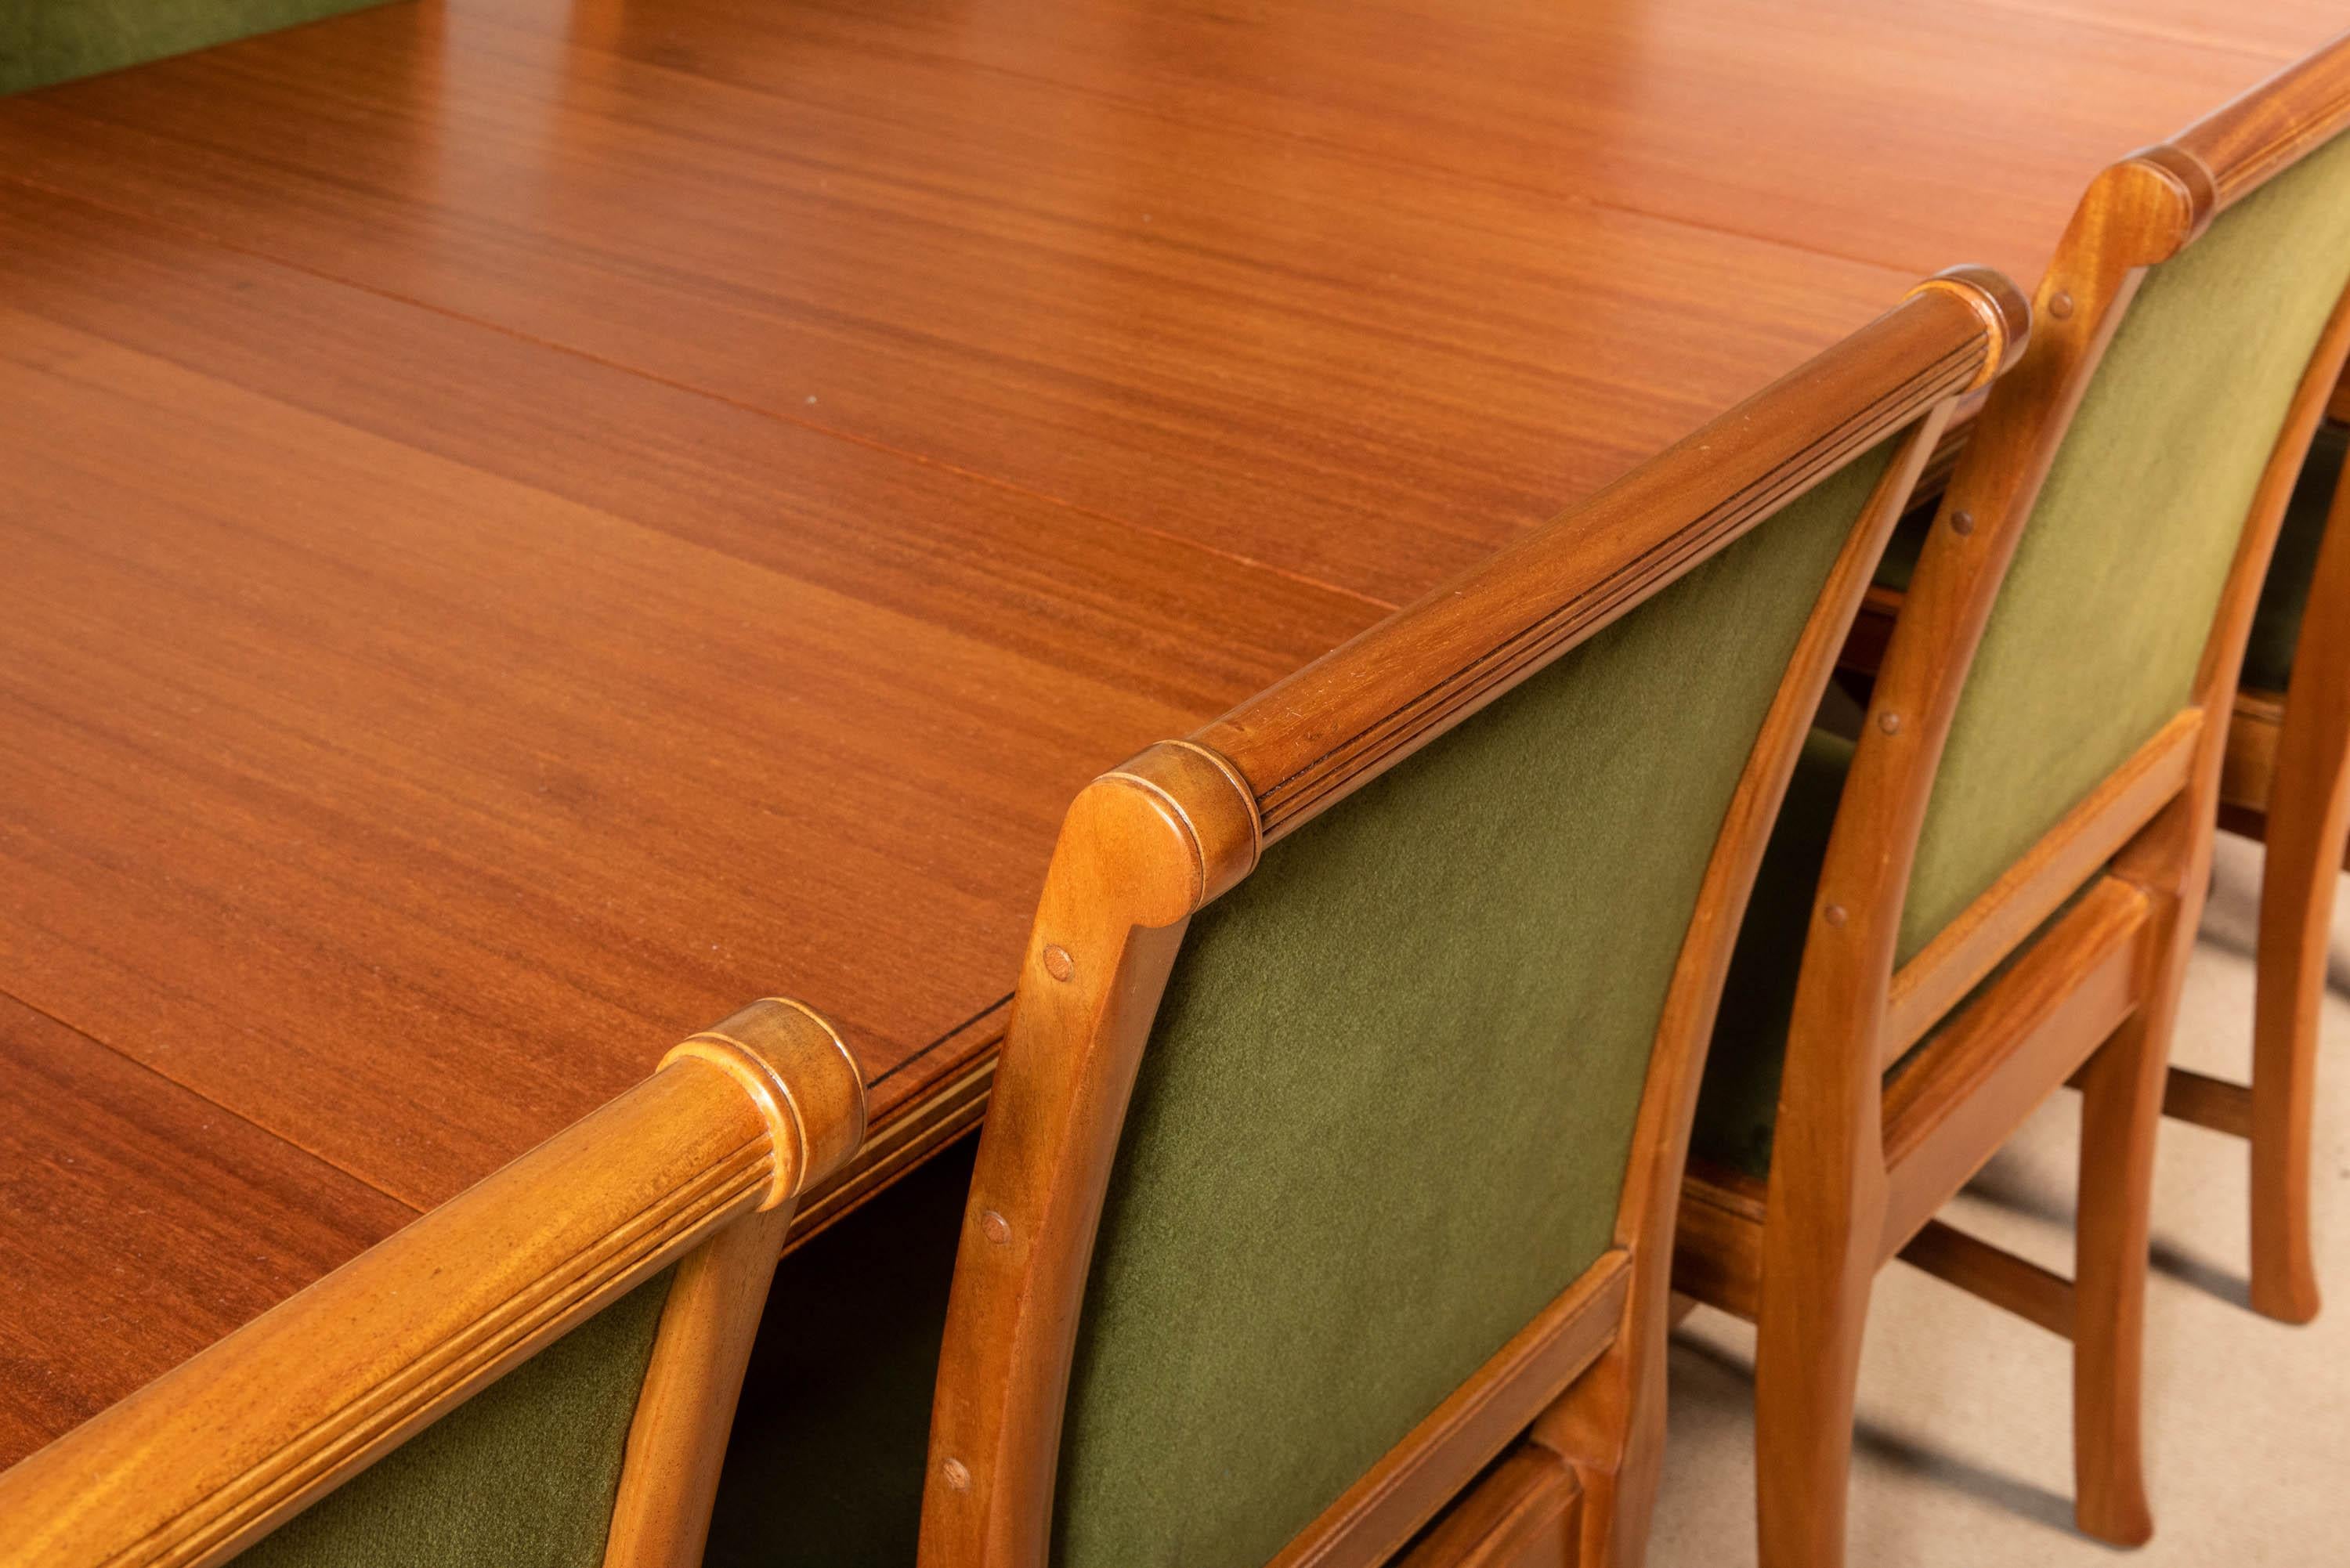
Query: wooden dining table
(527, 524)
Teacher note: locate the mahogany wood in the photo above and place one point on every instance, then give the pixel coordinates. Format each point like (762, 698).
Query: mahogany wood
(677, 1439)
(1641, 532)
(2297, 898)
(1654, 110)
(664, 468)
(1973, 1085)
(2248, 777)
(1300, 204)
(1718, 1245)
(108, 1169)
(1423, 1474)
(1192, 328)
(562, 742)
(2191, 1097)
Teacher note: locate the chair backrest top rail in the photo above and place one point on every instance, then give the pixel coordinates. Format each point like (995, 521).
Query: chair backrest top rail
(1307, 740)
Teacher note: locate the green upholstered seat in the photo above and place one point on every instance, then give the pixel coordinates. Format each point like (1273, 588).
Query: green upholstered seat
(2285, 597)
(1382, 1121)
(46, 41)
(522, 1475)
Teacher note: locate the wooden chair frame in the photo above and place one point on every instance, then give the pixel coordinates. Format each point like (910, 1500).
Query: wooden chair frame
(1149, 844)
(699, 1166)
(2286, 782)
(1860, 1167)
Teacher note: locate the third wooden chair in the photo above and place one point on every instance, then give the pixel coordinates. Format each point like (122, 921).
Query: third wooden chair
(1994, 889)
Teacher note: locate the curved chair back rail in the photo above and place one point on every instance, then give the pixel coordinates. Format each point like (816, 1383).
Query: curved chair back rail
(2028, 808)
(1200, 1148)
(700, 1162)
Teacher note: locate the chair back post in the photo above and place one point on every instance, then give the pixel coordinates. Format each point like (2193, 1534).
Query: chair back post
(1142, 848)
(214, 1455)
(1147, 846)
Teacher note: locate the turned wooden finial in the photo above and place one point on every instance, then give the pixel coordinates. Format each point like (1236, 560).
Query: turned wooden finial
(802, 1077)
(1990, 294)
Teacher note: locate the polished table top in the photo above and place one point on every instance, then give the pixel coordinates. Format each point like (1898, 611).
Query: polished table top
(527, 524)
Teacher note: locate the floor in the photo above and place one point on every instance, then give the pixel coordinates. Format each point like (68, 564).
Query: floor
(1964, 1454)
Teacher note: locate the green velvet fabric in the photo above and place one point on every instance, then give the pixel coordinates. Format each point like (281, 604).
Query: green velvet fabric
(2285, 597)
(2094, 642)
(824, 1468)
(1385, 1112)
(2276, 628)
(522, 1475)
(45, 41)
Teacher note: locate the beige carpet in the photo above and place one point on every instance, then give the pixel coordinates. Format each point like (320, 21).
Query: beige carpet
(1965, 1454)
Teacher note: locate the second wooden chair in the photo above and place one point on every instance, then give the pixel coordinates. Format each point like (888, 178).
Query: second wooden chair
(1338, 1133)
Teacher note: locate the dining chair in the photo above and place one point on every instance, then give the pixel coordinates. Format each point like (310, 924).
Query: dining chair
(1991, 888)
(539, 1373)
(1333, 1140)
(2286, 782)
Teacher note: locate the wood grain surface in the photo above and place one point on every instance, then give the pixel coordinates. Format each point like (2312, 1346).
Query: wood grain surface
(592, 511)
(332, 758)
(142, 1223)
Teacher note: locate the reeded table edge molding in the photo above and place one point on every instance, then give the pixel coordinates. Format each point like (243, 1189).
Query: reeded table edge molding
(201, 1463)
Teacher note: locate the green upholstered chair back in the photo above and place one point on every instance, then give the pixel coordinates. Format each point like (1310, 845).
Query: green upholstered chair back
(522, 1475)
(1385, 1110)
(46, 41)
(2100, 626)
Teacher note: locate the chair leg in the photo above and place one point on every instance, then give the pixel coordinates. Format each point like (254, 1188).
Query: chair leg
(2296, 918)
(2308, 824)
(1814, 1307)
(2121, 1110)
(1608, 1429)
